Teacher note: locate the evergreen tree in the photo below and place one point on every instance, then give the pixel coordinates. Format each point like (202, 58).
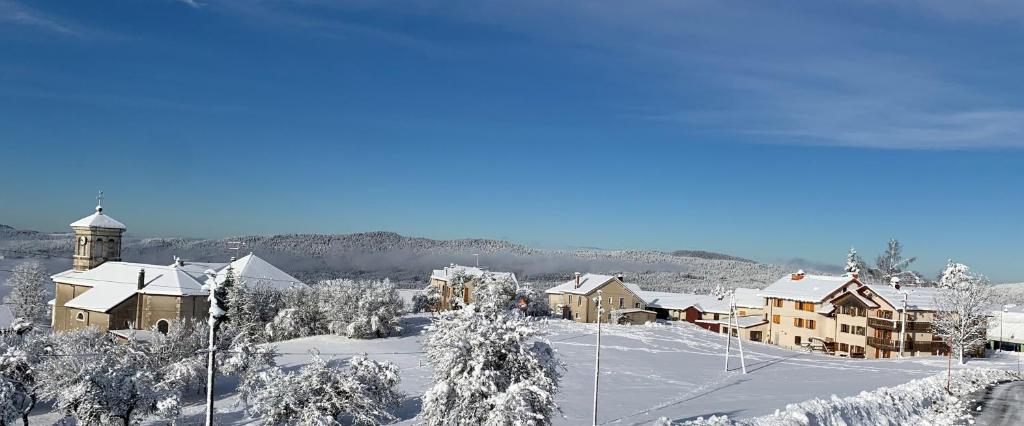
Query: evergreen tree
(28, 298)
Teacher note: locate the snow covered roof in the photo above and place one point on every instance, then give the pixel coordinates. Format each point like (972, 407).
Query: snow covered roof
(749, 298)
(198, 269)
(159, 279)
(102, 298)
(810, 288)
(97, 220)
(252, 269)
(448, 272)
(1010, 330)
(680, 301)
(588, 283)
(854, 294)
(919, 298)
(6, 317)
(744, 321)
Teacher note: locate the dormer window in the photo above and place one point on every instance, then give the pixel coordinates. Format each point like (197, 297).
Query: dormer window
(80, 317)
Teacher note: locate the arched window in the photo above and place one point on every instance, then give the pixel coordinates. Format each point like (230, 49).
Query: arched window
(162, 326)
(97, 248)
(80, 316)
(111, 249)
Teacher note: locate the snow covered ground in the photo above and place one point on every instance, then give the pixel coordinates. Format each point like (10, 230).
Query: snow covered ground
(673, 370)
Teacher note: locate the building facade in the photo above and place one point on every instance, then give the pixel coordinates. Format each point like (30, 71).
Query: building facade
(455, 283)
(574, 298)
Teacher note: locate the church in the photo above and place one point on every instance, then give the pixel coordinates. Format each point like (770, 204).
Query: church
(104, 292)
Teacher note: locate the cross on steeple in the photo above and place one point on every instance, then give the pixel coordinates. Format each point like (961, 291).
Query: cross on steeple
(99, 201)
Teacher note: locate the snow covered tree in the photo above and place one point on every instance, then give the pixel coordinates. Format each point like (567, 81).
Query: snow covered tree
(17, 387)
(532, 302)
(362, 309)
(377, 311)
(458, 289)
(96, 381)
(304, 315)
(490, 368)
(854, 263)
(494, 292)
(253, 306)
(426, 300)
(318, 394)
(963, 304)
(28, 295)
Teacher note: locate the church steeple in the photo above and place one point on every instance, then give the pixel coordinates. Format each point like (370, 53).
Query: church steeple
(97, 238)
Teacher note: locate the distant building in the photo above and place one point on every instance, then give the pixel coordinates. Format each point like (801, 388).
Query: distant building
(573, 299)
(456, 282)
(102, 291)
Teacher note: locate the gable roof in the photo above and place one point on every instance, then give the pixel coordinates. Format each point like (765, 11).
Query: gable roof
(588, 283)
(810, 288)
(448, 272)
(680, 301)
(97, 220)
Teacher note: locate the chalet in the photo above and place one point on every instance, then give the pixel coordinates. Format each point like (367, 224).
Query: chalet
(456, 282)
(573, 299)
(104, 292)
(848, 317)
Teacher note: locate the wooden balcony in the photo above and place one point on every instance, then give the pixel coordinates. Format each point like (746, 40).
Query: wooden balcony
(894, 325)
(893, 345)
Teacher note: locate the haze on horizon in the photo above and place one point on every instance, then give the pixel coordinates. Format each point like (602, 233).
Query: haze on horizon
(772, 133)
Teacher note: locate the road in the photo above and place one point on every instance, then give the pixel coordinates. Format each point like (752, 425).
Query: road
(1004, 405)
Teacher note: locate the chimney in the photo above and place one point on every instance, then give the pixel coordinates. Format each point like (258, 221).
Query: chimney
(142, 278)
(577, 279)
(621, 276)
(179, 262)
(799, 275)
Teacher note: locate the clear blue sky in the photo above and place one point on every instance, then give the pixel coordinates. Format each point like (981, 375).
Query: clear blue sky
(781, 132)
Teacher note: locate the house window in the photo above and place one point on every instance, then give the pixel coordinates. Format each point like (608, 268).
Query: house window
(858, 330)
(636, 305)
(805, 306)
(796, 340)
(577, 315)
(776, 319)
(798, 322)
(742, 312)
(622, 302)
(80, 316)
(843, 347)
(579, 300)
(716, 317)
(844, 328)
(810, 324)
(777, 303)
(162, 326)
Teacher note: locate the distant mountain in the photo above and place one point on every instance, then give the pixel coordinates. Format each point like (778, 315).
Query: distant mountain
(409, 260)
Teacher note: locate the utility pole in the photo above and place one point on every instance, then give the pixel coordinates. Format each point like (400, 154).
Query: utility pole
(1006, 309)
(597, 355)
(733, 319)
(218, 311)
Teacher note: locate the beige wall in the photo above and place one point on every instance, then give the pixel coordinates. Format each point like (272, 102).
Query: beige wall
(582, 309)
(638, 318)
(758, 333)
(785, 332)
(445, 291)
(101, 245)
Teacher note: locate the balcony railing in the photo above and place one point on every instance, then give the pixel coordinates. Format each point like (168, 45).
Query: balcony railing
(894, 325)
(893, 345)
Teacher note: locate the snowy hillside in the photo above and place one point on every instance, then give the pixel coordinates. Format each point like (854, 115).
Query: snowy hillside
(1009, 293)
(407, 260)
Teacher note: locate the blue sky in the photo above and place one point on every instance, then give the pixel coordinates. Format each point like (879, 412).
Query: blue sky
(791, 131)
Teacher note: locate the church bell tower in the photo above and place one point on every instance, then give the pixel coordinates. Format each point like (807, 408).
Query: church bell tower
(97, 239)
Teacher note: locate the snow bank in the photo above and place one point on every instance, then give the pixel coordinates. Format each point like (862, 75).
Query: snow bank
(921, 401)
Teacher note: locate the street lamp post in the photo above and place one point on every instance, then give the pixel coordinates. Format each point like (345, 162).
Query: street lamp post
(1006, 308)
(597, 355)
(895, 282)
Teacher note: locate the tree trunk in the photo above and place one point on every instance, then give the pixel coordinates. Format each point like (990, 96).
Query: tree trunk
(961, 354)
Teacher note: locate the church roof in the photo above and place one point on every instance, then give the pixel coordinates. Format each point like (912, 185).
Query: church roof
(97, 220)
(251, 269)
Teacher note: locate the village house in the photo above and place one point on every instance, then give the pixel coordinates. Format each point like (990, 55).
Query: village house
(574, 299)
(843, 316)
(707, 311)
(103, 292)
(456, 283)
